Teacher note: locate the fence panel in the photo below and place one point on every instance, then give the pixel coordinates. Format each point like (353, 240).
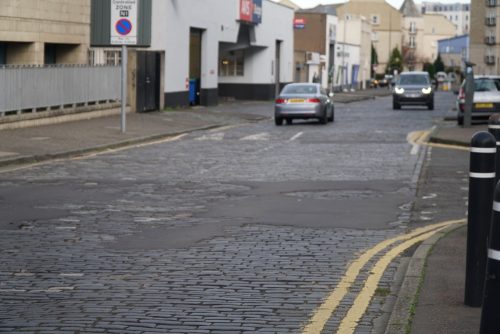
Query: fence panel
(32, 87)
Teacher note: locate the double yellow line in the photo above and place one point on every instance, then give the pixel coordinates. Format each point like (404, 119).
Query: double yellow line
(420, 138)
(324, 312)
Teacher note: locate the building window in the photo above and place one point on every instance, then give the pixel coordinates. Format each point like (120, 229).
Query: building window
(49, 54)
(413, 27)
(374, 36)
(232, 64)
(3, 53)
(113, 57)
(412, 41)
(375, 20)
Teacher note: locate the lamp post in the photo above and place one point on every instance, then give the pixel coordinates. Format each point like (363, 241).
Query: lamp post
(469, 93)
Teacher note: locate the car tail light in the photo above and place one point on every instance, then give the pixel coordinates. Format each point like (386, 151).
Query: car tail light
(313, 100)
(280, 101)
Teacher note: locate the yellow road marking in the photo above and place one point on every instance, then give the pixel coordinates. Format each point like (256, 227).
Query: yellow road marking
(454, 147)
(416, 138)
(326, 309)
(358, 308)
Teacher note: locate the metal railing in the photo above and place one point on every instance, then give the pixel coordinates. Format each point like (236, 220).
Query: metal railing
(26, 88)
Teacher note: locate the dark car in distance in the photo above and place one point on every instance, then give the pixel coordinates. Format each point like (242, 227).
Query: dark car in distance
(413, 89)
(303, 101)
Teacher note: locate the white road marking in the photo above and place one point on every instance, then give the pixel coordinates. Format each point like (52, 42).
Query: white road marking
(296, 136)
(258, 136)
(214, 136)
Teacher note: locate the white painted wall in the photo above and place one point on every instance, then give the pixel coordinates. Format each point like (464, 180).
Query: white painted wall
(348, 50)
(171, 23)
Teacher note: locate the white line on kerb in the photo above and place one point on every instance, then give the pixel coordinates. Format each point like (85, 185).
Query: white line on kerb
(494, 254)
(296, 136)
(483, 149)
(482, 175)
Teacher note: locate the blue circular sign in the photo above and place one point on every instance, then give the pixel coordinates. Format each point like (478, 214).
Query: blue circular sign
(123, 27)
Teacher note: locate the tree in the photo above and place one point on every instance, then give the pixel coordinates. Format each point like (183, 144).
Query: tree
(429, 68)
(395, 62)
(438, 64)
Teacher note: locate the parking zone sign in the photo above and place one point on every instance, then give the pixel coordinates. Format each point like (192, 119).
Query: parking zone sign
(124, 22)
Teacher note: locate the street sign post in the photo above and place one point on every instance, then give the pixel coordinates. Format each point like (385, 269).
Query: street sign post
(469, 93)
(123, 22)
(123, 32)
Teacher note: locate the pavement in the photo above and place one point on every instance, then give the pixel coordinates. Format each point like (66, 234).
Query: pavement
(440, 259)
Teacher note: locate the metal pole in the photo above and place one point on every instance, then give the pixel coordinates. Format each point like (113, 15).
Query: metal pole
(490, 322)
(124, 89)
(469, 93)
(481, 186)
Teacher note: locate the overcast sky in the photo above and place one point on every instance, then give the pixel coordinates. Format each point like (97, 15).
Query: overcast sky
(394, 3)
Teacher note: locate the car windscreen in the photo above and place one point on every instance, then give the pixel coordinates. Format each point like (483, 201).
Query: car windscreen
(413, 80)
(486, 85)
(300, 89)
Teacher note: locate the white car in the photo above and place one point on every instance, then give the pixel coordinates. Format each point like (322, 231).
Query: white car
(486, 98)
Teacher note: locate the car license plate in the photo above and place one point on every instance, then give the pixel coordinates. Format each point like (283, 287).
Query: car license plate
(296, 100)
(484, 105)
(413, 95)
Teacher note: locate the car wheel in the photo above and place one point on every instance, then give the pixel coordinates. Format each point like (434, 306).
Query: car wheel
(324, 119)
(278, 121)
(332, 116)
(430, 106)
(395, 105)
(289, 121)
(460, 120)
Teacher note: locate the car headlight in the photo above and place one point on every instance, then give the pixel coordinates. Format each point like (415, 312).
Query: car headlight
(427, 90)
(399, 90)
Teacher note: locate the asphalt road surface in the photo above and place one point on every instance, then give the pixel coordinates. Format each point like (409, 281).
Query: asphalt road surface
(242, 229)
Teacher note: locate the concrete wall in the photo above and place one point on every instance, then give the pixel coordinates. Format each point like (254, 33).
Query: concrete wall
(36, 22)
(436, 27)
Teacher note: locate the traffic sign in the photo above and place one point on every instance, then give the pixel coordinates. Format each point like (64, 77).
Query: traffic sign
(124, 22)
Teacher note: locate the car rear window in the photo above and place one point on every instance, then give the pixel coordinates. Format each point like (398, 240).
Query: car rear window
(300, 89)
(486, 85)
(413, 80)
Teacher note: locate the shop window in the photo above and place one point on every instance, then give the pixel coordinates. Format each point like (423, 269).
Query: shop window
(232, 64)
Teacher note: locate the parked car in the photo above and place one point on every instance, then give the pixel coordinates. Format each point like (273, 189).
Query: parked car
(373, 83)
(486, 98)
(386, 80)
(441, 77)
(413, 88)
(303, 101)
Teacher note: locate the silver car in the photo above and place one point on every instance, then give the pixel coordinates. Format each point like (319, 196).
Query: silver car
(486, 100)
(303, 101)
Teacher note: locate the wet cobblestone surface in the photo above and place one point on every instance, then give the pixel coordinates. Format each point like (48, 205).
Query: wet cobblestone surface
(132, 241)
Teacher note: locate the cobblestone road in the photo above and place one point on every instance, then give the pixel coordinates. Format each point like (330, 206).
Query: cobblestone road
(180, 237)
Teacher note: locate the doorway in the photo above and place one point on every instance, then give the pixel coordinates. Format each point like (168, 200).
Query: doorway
(148, 81)
(277, 68)
(195, 39)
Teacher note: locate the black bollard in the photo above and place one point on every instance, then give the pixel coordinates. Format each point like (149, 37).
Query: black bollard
(494, 129)
(481, 186)
(490, 321)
